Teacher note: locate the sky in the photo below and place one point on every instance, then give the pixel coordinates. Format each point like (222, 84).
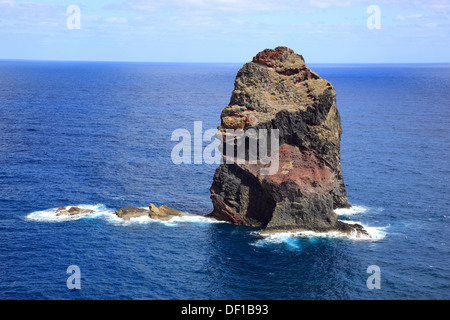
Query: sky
(323, 31)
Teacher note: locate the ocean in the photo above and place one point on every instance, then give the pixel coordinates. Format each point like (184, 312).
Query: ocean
(98, 135)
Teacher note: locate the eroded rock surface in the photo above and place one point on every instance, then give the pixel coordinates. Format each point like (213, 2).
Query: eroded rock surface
(164, 212)
(278, 91)
(72, 211)
(131, 212)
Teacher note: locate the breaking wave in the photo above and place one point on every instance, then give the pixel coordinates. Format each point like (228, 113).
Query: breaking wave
(49, 215)
(292, 238)
(103, 212)
(351, 211)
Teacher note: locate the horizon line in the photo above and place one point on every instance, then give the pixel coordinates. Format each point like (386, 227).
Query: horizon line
(202, 62)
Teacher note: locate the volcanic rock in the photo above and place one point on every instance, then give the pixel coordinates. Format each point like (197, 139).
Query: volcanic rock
(164, 212)
(278, 91)
(72, 211)
(131, 212)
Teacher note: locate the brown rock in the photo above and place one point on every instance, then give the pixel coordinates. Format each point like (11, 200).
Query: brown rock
(72, 211)
(277, 91)
(164, 212)
(131, 212)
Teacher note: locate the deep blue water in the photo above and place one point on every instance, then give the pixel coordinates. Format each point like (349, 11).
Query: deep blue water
(98, 134)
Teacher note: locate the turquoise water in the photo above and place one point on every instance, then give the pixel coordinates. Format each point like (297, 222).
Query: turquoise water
(97, 135)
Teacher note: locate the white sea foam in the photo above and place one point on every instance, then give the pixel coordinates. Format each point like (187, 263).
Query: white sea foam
(351, 211)
(114, 219)
(50, 215)
(107, 214)
(290, 238)
(173, 222)
(376, 233)
(194, 218)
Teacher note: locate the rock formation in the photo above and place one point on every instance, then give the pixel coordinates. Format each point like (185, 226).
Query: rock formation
(162, 213)
(277, 91)
(72, 211)
(131, 212)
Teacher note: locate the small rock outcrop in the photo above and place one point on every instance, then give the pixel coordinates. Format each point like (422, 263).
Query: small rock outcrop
(278, 91)
(162, 213)
(131, 212)
(72, 211)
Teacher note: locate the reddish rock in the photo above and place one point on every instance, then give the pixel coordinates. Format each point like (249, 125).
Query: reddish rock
(278, 91)
(269, 57)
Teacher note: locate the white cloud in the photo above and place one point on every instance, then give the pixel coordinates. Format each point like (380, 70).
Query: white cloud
(91, 18)
(207, 6)
(257, 6)
(25, 16)
(409, 17)
(332, 3)
(118, 20)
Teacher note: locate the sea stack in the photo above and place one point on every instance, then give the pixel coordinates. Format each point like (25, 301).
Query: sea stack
(278, 91)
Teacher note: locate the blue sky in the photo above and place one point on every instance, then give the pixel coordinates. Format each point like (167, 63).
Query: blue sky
(323, 31)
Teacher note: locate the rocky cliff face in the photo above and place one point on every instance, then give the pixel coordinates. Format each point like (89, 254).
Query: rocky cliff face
(277, 91)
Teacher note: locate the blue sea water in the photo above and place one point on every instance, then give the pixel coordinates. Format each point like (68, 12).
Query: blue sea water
(98, 135)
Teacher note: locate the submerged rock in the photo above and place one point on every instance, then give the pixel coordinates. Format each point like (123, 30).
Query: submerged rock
(131, 212)
(72, 211)
(277, 91)
(164, 212)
